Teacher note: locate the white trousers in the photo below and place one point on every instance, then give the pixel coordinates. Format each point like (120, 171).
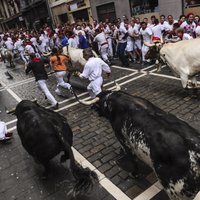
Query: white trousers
(60, 80)
(94, 88)
(22, 55)
(104, 52)
(145, 49)
(110, 48)
(43, 86)
(3, 129)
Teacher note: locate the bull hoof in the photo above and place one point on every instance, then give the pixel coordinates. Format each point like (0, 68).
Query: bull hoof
(127, 163)
(44, 176)
(136, 175)
(63, 158)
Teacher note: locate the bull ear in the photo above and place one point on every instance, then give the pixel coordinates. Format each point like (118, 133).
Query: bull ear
(149, 44)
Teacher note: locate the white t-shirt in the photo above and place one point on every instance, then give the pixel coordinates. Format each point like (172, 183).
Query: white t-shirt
(130, 31)
(9, 45)
(93, 69)
(122, 32)
(100, 38)
(146, 34)
(73, 43)
(157, 31)
(197, 31)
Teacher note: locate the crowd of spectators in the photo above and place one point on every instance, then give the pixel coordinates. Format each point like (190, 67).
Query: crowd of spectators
(124, 39)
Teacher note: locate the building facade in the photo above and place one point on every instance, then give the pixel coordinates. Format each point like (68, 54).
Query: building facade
(10, 15)
(15, 14)
(69, 10)
(35, 13)
(102, 9)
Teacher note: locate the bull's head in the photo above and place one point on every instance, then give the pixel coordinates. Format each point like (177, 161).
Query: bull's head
(154, 50)
(26, 103)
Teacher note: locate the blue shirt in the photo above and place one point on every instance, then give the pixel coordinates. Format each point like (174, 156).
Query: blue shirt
(64, 42)
(83, 43)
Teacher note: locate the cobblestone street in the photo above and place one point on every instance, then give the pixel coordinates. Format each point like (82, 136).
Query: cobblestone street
(94, 144)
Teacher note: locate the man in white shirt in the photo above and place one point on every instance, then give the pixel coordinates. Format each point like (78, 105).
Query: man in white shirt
(100, 38)
(146, 33)
(157, 31)
(123, 34)
(20, 48)
(93, 71)
(108, 33)
(4, 135)
(130, 40)
(9, 44)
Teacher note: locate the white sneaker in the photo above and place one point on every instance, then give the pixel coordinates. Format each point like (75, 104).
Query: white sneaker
(58, 92)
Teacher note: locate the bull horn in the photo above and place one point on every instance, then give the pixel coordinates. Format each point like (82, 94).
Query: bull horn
(88, 103)
(12, 111)
(118, 87)
(149, 44)
(161, 39)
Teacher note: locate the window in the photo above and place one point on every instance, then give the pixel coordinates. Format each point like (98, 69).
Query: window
(192, 3)
(143, 6)
(106, 11)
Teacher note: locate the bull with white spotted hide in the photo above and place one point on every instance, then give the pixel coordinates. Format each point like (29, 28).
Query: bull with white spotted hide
(165, 143)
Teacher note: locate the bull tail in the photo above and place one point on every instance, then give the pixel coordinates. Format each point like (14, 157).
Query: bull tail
(84, 177)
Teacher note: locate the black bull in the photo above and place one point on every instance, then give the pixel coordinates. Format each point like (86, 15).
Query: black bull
(44, 134)
(167, 144)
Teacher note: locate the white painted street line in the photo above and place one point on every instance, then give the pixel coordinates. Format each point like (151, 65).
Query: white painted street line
(15, 96)
(105, 182)
(127, 69)
(10, 122)
(149, 193)
(157, 69)
(82, 94)
(109, 83)
(165, 76)
(197, 196)
(123, 83)
(147, 67)
(12, 129)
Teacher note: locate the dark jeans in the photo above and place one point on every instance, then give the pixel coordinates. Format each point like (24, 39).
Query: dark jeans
(121, 52)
